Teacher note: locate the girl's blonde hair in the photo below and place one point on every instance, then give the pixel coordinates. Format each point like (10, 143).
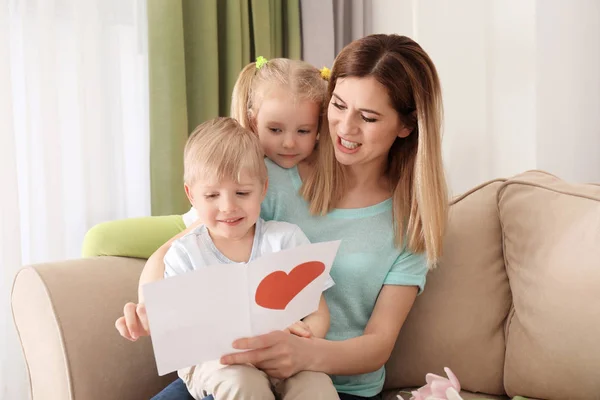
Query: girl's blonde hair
(420, 199)
(300, 78)
(221, 149)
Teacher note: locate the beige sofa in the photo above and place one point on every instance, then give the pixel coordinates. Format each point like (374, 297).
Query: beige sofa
(513, 309)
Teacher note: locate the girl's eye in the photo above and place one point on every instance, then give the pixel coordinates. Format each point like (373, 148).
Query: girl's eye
(338, 106)
(303, 131)
(275, 130)
(243, 194)
(210, 196)
(368, 119)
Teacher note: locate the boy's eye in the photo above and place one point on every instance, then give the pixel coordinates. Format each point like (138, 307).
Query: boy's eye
(338, 106)
(210, 195)
(368, 119)
(243, 194)
(275, 130)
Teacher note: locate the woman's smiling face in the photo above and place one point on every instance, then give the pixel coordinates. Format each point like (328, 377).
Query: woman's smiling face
(362, 122)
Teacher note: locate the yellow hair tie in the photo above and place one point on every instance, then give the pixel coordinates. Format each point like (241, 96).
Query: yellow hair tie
(260, 62)
(325, 73)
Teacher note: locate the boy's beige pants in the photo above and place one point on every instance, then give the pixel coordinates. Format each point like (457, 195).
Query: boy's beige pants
(241, 382)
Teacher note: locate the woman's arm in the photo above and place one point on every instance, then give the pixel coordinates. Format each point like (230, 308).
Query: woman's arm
(370, 351)
(282, 355)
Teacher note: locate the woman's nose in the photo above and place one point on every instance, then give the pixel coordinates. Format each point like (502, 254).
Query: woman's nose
(347, 125)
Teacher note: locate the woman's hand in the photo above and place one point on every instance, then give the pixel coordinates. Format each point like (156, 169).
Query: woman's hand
(134, 322)
(278, 353)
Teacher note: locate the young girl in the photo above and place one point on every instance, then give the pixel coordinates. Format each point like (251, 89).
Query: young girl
(283, 102)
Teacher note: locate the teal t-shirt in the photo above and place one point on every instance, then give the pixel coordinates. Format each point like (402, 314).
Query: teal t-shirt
(367, 259)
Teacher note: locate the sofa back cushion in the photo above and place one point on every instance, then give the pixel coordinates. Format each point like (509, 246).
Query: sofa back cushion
(552, 247)
(457, 322)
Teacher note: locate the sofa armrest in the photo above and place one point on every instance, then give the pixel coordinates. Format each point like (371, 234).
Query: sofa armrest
(65, 315)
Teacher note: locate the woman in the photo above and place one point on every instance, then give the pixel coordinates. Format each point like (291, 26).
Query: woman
(378, 185)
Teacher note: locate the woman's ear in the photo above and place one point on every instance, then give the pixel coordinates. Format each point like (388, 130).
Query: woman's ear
(411, 120)
(404, 132)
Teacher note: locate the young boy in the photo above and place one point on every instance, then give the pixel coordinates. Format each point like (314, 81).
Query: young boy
(226, 181)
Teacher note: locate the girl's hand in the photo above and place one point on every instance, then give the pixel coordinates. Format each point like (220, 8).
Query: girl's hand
(134, 322)
(299, 328)
(278, 353)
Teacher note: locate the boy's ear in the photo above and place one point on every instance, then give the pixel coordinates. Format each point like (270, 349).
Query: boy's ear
(188, 193)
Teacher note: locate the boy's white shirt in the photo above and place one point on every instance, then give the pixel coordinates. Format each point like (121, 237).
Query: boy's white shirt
(196, 249)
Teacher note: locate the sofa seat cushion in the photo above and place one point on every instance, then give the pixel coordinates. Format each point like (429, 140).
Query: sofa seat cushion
(551, 232)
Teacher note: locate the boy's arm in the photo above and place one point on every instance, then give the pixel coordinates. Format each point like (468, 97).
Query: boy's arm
(318, 322)
(134, 322)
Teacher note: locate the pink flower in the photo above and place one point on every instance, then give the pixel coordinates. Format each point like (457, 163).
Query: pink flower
(439, 388)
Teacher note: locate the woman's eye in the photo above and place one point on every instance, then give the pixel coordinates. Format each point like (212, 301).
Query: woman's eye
(338, 106)
(275, 130)
(368, 119)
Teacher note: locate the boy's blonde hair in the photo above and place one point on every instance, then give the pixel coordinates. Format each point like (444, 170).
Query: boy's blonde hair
(221, 149)
(300, 78)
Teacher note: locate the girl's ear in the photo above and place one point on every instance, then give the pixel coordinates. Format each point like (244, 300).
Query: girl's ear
(188, 193)
(252, 121)
(264, 193)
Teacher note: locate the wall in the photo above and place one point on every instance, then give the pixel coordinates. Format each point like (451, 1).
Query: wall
(568, 88)
(520, 81)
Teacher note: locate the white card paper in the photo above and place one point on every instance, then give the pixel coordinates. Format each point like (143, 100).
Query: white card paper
(195, 317)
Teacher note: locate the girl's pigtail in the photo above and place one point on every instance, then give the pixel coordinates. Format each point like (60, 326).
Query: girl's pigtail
(240, 98)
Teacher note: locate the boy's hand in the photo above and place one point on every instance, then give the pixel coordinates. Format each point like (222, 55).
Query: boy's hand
(134, 322)
(299, 329)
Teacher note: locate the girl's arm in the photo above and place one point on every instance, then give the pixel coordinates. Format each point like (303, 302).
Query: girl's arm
(282, 355)
(318, 322)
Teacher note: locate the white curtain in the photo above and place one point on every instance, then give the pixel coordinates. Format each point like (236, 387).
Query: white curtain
(74, 141)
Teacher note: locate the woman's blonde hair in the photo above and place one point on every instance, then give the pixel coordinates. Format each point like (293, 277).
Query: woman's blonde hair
(298, 77)
(420, 198)
(220, 149)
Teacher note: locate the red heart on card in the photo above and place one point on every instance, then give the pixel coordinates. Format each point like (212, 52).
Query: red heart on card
(277, 289)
